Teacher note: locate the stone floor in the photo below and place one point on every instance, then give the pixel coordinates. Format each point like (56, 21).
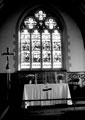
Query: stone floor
(57, 112)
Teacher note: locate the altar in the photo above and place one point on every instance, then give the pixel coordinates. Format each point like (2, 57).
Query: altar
(46, 94)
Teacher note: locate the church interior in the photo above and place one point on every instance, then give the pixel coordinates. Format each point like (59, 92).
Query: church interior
(42, 59)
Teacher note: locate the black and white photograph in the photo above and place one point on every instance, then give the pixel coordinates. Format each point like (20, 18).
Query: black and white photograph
(42, 59)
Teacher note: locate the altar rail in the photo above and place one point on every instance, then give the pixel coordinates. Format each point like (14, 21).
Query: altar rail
(26, 103)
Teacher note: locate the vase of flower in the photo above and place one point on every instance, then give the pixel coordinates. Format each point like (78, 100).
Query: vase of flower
(60, 78)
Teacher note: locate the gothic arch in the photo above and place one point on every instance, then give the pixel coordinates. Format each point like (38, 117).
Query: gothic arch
(55, 13)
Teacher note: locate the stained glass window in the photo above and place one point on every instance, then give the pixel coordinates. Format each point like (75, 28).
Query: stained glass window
(50, 23)
(30, 23)
(40, 42)
(35, 41)
(46, 49)
(25, 49)
(56, 45)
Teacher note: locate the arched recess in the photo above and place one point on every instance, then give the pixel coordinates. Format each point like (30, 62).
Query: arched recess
(50, 11)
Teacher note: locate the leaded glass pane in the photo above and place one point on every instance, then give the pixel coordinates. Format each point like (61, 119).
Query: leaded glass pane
(25, 59)
(36, 60)
(57, 60)
(56, 45)
(46, 49)
(24, 31)
(40, 15)
(56, 35)
(25, 45)
(35, 40)
(30, 23)
(25, 42)
(25, 49)
(50, 23)
(46, 59)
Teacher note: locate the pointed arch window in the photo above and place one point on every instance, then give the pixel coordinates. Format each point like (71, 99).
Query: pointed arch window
(39, 42)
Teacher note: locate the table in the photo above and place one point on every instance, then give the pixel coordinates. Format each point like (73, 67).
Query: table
(46, 92)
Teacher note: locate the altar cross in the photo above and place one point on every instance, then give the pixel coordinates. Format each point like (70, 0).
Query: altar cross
(46, 90)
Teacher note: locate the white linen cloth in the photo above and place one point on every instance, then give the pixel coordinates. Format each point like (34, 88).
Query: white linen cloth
(46, 91)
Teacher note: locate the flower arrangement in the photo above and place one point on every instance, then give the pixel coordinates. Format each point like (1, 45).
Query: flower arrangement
(60, 78)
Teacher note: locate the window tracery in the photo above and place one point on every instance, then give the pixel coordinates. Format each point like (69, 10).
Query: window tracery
(40, 43)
